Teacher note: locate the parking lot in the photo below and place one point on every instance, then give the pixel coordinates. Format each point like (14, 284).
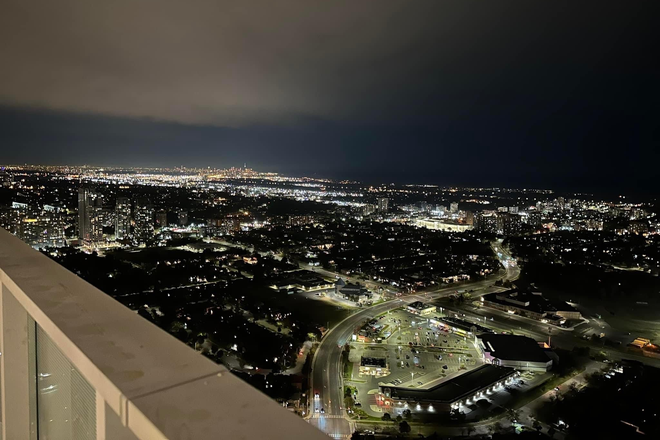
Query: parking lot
(417, 354)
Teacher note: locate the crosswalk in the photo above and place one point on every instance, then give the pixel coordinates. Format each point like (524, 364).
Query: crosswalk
(326, 416)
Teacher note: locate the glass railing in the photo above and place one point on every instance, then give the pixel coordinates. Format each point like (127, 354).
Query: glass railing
(76, 364)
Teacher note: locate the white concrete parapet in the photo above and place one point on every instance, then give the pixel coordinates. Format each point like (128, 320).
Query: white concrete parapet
(148, 385)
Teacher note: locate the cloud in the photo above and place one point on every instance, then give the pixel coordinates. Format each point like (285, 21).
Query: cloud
(236, 63)
(203, 62)
(431, 90)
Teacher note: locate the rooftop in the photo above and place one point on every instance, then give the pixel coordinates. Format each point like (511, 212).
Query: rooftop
(463, 324)
(367, 361)
(533, 301)
(513, 348)
(352, 286)
(457, 388)
(419, 305)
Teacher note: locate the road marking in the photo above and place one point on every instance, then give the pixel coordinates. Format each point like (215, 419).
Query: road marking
(326, 416)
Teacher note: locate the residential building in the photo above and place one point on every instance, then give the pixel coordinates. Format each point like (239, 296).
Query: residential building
(383, 204)
(143, 215)
(368, 209)
(485, 222)
(90, 215)
(509, 224)
(122, 218)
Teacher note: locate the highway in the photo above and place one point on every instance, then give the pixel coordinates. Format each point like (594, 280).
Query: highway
(327, 372)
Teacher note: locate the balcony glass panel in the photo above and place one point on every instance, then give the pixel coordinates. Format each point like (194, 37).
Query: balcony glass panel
(66, 402)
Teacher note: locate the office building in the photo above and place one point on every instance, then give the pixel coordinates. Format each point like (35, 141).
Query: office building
(453, 207)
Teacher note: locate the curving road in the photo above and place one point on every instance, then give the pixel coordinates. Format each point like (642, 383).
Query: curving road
(327, 372)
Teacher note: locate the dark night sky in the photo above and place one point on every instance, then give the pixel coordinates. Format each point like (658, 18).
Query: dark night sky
(513, 93)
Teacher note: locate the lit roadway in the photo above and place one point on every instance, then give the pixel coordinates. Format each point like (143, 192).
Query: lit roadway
(327, 371)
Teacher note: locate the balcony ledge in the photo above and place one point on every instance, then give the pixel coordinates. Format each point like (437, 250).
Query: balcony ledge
(159, 387)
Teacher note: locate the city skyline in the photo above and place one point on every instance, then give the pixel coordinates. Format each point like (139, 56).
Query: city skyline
(245, 171)
(427, 306)
(357, 220)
